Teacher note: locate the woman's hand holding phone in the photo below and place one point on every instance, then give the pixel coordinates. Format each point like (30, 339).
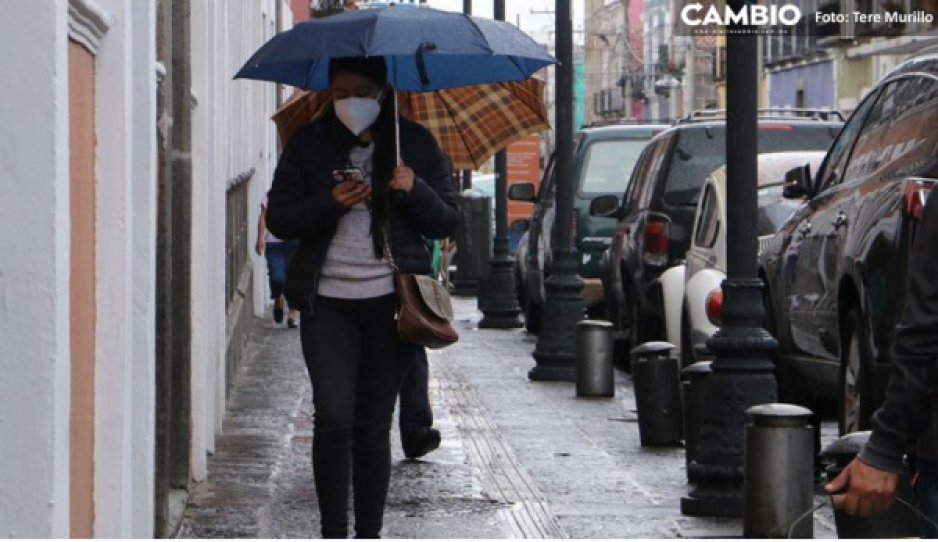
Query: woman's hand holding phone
(350, 189)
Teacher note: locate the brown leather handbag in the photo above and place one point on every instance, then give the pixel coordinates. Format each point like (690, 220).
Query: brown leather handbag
(424, 308)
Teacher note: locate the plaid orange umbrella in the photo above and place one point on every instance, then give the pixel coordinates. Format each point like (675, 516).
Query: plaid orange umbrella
(471, 123)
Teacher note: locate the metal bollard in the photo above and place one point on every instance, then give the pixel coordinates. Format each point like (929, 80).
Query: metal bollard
(594, 377)
(694, 389)
(656, 376)
(896, 522)
(778, 475)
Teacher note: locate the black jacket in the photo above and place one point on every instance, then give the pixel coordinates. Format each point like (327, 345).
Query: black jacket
(910, 410)
(300, 204)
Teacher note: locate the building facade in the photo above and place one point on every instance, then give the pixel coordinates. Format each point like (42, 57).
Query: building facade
(133, 168)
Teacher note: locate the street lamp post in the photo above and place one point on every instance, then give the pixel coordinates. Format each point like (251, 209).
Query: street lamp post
(742, 371)
(555, 352)
(498, 299)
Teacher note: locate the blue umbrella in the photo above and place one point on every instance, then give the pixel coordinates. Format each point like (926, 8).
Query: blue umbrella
(424, 48)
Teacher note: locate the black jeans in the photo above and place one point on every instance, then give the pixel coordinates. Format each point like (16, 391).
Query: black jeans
(356, 363)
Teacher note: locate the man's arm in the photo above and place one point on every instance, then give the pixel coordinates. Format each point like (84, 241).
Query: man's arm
(871, 479)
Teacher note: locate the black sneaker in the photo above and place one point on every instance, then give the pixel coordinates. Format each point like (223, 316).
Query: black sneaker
(291, 323)
(278, 315)
(421, 442)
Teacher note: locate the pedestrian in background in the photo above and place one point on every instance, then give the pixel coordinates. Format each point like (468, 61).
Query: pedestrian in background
(342, 283)
(277, 253)
(415, 418)
(910, 410)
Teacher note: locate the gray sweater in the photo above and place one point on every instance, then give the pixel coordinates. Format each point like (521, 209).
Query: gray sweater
(351, 270)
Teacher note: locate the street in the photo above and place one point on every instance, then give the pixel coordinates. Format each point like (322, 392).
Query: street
(519, 459)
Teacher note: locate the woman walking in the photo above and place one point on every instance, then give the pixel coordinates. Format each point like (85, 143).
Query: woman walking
(337, 189)
(277, 253)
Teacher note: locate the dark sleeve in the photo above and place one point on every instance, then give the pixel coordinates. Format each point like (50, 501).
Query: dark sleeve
(431, 203)
(905, 412)
(300, 202)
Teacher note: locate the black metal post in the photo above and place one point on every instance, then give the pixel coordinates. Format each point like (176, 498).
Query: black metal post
(742, 371)
(498, 299)
(467, 173)
(555, 352)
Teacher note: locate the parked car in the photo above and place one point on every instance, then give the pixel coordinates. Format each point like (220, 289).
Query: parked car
(656, 214)
(835, 273)
(602, 163)
(692, 314)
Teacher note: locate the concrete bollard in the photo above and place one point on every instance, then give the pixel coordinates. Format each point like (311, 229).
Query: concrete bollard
(896, 522)
(594, 375)
(694, 390)
(656, 376)
(778, 474)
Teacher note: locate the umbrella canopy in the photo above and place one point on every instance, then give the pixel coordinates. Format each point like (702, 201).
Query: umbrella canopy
(471, 123)
(425, 49)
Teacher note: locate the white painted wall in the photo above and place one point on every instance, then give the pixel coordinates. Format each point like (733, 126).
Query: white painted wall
(204, 321)
(143, 182)
(232, 133)
(34, 271)
(112, 233)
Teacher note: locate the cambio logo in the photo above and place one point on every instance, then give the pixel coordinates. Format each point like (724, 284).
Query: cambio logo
(749, 14)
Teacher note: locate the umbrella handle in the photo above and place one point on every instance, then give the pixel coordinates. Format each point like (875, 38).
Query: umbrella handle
(397, 130)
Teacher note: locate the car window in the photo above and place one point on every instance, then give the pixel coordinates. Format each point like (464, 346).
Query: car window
(656, 160)
(708, 221)
(773, 209)
(910, 139)
(832, 168)
(638, 176)
(867, 153)
(700, 151)
(608, 165)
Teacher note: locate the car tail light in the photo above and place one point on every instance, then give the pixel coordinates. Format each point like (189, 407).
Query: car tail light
(715, 307)
(656, 243)
(916, 192)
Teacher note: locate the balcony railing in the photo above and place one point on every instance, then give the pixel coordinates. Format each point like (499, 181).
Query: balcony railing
(236, 232)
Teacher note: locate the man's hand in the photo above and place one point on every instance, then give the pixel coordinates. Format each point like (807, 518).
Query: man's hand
(869, 489)
(350, 193)
(403, 179)
(259, 246)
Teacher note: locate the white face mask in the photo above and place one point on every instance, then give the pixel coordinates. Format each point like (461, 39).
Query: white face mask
(357, 114)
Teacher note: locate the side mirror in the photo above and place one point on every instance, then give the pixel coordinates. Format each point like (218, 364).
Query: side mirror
(521, 224)
(797, 182)
(522, 192)
(604, 206)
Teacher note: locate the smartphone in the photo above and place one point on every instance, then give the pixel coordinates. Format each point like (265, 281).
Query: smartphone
(348, 174)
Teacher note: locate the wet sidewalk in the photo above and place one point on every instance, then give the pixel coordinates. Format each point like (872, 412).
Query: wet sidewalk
(519, 459)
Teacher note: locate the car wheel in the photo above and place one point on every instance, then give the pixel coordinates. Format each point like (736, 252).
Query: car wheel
(687, 348)
(856, 401)
(636, 337)
(519, 286)
(532, 315)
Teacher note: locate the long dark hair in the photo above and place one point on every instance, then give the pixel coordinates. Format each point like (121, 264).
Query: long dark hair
(384, 161)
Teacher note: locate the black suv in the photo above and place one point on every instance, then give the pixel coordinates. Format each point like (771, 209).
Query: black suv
(835, 273)
(602, 163)
(656, 214)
